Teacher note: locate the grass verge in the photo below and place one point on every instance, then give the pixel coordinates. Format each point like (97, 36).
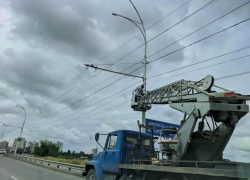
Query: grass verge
(70, 161)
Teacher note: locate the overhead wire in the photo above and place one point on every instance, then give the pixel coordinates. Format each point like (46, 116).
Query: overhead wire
(199, 62)
(88, 88)
(167, 46)
(192, 32)
(99, 101)
(201, 68)
(208, 4)
(200, 40)
(241, 73)
(117, 49)
(154, 60)
(125, 102)
(108, 109)
(85, 97)
(155, 81)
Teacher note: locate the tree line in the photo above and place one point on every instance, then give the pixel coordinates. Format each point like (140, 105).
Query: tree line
(53, 150)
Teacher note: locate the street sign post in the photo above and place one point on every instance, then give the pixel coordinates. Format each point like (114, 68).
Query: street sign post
(158, 126)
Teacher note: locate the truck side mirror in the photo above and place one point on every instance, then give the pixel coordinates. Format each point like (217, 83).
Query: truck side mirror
(97, 137)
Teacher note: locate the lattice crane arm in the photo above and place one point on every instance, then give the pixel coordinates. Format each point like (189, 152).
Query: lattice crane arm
(186, 91)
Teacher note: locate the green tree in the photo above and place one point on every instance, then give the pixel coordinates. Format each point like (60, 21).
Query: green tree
(28, 151)
(53, 150)
(68, 153)
(82, 153)
(37, 151)
(19, 150)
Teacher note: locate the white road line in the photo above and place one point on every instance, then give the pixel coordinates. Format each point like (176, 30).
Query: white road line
(14, 178)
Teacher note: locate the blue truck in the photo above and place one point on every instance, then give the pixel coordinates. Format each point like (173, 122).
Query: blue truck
(130, 155)
(193, 152)
(120, 146)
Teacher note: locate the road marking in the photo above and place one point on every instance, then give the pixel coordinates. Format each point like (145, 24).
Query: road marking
(14, 178)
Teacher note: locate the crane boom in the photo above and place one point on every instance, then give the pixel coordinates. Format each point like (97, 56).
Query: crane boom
(187, 91)
(200, 102)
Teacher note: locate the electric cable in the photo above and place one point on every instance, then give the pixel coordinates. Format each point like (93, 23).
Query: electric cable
(119, 48)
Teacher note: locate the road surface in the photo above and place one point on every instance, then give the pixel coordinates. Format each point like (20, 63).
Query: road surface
(12, 169)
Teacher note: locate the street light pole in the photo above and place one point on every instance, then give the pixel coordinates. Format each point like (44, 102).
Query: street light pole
(5, 125)
(22, 125)
(3, 130)
(143, 32)
(3, 133)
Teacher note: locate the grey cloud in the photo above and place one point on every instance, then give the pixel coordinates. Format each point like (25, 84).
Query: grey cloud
(52, 40)
(31, 74)
(57, 26)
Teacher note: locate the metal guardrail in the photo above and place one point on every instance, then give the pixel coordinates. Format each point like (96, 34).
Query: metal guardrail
(58, 164)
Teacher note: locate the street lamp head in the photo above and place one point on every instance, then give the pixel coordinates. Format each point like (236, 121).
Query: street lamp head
(114, 14)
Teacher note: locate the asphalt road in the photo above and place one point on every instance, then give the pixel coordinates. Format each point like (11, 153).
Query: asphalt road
(12, 169)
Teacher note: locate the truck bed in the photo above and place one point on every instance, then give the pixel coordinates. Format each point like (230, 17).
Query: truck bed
(216, 169)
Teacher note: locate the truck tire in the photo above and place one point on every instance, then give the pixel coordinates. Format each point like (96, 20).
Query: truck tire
(91, 175)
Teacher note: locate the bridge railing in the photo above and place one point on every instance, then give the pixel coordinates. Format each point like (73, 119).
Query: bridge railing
(44, 161)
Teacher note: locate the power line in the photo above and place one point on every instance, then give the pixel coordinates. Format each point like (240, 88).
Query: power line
(203, 39)
(87, 96)
(200, 40)
(200, 28)
(101, 101)
(153, 61)
(233, 75)
(123, 56)
(99, 112)
(88, 88)
(200, 63)
(148, 28)
(229, 76)
(115, 51)
(206, 60)
(60, 110)
(189, 33)
(138, 47)
(154, 81)
(200, 68)
(93, 109)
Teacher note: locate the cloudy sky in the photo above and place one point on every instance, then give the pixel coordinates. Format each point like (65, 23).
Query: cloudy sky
(45, 44)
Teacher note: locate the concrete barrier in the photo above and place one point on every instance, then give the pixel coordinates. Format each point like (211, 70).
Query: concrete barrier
(77, 170)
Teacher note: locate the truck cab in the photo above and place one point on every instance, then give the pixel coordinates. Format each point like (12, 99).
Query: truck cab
(121, 147)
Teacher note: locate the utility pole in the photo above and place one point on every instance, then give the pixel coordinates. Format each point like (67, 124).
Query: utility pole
(5, 125)
(3, 132)
(144, 77)
(21, 127)
(143, 32)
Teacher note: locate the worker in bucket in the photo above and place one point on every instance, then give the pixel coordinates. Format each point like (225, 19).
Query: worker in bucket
(138, 92)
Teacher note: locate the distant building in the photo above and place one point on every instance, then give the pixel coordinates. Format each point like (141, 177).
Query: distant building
(4, 144)
(20, 144)
(29, 144)
(60, 145)
(94, 151)
(34, 145)
(44, 141)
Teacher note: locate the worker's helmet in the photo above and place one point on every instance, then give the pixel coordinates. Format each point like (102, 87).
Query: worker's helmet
(142, 86)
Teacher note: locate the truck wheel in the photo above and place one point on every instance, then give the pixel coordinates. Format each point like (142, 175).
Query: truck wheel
(91, 175)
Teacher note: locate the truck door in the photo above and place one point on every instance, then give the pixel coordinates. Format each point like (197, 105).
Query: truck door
(111, 155)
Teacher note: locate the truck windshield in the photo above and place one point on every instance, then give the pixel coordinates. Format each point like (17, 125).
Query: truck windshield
(132, 139)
